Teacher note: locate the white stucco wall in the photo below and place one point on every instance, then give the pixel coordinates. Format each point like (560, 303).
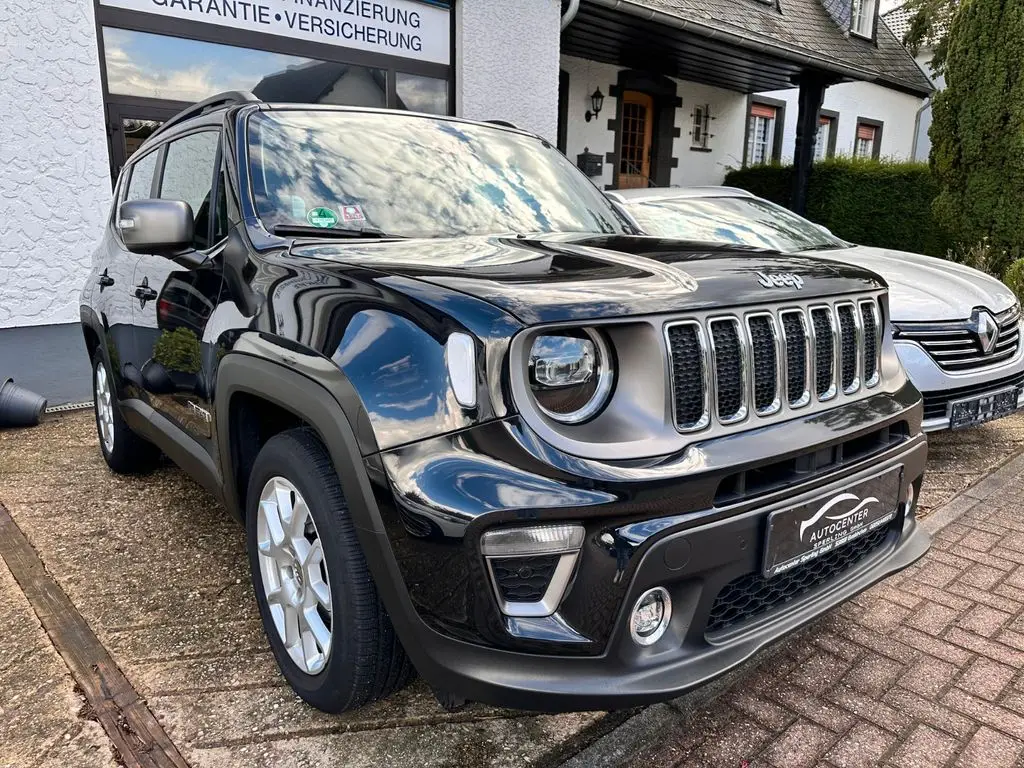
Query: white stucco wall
(897, 110)
(54, 177)
(694, 168)
(506, 59)
(727, 131)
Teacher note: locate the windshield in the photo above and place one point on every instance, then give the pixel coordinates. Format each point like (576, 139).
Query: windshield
(414, 176)
(735, 220)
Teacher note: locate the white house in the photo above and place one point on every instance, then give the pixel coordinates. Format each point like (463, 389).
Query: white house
(636, 91)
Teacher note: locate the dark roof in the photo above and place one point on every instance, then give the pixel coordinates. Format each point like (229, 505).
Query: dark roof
(792, 30)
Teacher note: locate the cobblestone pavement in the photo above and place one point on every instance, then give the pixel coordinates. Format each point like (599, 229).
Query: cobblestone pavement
(159, 572)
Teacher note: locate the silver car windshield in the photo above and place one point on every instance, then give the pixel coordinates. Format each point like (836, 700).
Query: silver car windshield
(746, 221)
(414, 176)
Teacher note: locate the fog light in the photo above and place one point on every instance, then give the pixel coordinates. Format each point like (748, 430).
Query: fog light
(650, 616)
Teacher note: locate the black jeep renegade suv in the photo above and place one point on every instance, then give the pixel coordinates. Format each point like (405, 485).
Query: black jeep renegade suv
(474, 425)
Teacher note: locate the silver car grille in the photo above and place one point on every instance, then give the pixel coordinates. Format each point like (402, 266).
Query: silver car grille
(731, 368)
(955, 347)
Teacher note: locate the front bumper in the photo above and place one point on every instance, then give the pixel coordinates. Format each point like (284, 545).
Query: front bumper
(940, 388)
(436, 498)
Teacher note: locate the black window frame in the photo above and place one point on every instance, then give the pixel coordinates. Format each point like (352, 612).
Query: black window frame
(833, 133)
(878, 125)
(139, 21)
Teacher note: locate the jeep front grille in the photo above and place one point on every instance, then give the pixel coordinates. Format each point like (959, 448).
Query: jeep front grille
(729, 369)
(955, 347)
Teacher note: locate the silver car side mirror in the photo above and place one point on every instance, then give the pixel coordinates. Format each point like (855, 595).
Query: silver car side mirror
(160, 227)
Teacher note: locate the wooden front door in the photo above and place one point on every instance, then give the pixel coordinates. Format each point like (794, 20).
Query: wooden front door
(635, 140)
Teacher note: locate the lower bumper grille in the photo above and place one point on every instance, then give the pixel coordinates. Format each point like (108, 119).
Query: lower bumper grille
(936, 404)
(751, 595)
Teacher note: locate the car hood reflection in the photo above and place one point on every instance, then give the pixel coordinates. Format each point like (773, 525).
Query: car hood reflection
(557, 278)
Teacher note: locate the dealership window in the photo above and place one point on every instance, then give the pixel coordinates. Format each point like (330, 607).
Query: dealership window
(176, 69)
(868, 139)
(157, 58)
(862, 18)
(418, 93)
(762, 133)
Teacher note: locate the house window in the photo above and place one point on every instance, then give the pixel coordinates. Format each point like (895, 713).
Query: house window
(701, 119)
(866, 143)
(761, 128)
(824, 140)
(862, 18)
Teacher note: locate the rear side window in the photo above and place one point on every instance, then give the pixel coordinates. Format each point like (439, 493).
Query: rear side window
(140, 183)
(188, 176)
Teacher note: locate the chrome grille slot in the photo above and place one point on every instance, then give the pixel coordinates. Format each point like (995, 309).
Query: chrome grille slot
(849, 347)
(795, 342)
(765, 352)
(955, 347)
(768, 362)
(728, 365)
(824, 330)
(872, 341)
(689, 375)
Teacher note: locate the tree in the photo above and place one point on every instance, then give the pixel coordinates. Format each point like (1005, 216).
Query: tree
(929, 27)
(977, 131)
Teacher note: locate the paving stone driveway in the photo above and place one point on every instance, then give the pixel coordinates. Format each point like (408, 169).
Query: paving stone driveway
(925, 670)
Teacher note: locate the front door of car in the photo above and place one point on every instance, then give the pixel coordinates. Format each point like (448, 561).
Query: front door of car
(113, 289)
(173, 303)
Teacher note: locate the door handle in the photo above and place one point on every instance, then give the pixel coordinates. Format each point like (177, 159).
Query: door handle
(144, 293)
(105, 281)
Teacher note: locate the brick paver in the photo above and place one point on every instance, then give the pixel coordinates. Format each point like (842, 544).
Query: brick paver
(923, 671)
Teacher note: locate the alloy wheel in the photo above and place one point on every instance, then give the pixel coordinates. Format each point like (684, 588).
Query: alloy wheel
(294, 575)
(104, 407)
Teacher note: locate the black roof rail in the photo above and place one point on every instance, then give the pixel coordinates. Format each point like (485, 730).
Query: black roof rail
(226, 99)
(504, 124)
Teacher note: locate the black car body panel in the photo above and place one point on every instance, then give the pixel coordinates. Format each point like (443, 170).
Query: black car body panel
(213, 352)
(562, 278)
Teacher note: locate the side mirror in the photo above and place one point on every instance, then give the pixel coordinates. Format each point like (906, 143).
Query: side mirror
(161, 227)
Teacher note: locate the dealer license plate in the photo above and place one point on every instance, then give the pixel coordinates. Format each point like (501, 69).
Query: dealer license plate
(801, 534)
(978, 410)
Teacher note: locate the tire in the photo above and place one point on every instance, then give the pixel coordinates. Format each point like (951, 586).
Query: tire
(125, 452)
(365, 660)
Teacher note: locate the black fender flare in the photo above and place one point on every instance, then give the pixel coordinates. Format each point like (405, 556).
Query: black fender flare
(311, 402)
(319, 407)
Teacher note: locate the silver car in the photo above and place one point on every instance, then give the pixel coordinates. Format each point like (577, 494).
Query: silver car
(957, 330)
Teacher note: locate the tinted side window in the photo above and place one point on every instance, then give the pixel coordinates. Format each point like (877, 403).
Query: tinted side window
(188, 176)
(141, 181)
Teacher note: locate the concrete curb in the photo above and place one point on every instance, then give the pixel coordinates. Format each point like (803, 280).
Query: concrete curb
(651, 724)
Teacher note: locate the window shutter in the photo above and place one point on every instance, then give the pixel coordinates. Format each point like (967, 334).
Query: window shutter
(866, 132)
(762, 110)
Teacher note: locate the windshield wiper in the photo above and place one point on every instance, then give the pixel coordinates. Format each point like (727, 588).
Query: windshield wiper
(300, 230)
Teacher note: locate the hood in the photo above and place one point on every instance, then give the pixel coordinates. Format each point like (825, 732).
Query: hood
(923, 288)
(559, 278)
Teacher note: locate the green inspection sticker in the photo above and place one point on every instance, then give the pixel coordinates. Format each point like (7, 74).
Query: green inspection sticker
(322, 217)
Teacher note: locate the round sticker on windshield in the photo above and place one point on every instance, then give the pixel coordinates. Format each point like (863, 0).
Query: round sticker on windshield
(322, 217)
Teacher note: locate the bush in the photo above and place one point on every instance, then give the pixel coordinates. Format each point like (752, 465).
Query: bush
(1014, 279)
(983, 256)
(882, 203)
(978, 127)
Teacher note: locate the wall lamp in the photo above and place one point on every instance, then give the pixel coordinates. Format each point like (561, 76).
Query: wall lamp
(596, 102)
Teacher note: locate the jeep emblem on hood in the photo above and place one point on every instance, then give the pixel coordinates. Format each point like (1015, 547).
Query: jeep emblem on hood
(780, 281)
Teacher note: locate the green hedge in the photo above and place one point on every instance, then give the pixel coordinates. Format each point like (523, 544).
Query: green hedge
(870, 202)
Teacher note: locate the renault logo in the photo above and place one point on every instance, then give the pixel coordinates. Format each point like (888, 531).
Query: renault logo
(986, 329)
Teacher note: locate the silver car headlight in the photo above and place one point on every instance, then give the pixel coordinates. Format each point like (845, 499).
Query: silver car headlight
(571, 374)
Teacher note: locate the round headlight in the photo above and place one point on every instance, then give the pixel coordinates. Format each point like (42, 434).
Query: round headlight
(570, 374)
